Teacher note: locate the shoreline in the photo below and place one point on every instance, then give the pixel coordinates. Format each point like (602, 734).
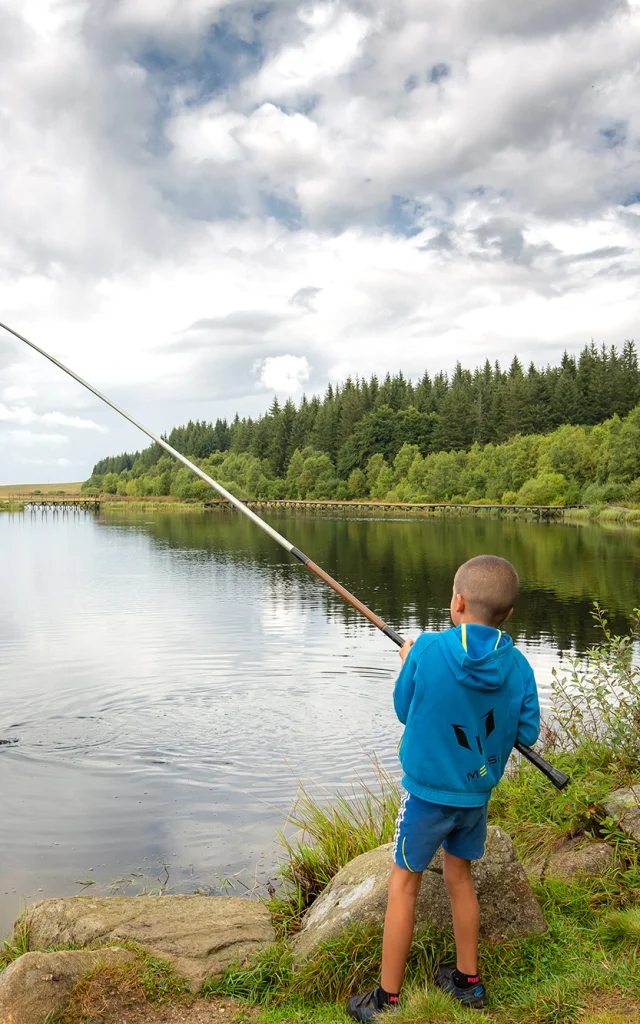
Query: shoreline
(608, 515)
(14, 498)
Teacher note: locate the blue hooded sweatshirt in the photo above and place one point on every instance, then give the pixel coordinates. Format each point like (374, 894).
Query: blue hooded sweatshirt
(465, 696)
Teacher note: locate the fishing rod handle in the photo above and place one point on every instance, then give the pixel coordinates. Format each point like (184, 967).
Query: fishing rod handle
(558, 778)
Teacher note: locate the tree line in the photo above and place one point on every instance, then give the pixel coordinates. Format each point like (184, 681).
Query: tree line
(541, 436)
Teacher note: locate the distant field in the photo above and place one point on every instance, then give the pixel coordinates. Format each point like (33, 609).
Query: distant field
(43, 488)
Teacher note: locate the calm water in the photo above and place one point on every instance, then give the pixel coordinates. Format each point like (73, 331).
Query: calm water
(165, 680)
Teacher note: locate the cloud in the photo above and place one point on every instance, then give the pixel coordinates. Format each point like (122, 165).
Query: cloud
(305, 296)
(285, 374)
(24, 414)
(195, 190)
(16, 394)
(330, 48)
(62, 420)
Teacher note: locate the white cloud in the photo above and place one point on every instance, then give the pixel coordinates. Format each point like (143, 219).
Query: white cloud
(368, 185)
(24, 414)
(330, 49)
(16, 394)
(285, 374)
(62, 420)
(165, 16)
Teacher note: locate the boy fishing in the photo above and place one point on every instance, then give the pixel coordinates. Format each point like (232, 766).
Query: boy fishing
(465, 696)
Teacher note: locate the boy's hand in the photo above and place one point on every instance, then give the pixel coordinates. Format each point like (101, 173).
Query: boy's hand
(404, 650)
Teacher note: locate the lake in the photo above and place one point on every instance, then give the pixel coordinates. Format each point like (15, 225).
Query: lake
(167, 678)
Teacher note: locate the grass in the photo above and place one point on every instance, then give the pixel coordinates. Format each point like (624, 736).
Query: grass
(604, 514)
(147, 979)
(545, 979)
(331, 833)
(11, 949)
(125, 506)
(68, 488)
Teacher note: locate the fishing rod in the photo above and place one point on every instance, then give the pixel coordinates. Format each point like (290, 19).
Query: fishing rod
(558, 778)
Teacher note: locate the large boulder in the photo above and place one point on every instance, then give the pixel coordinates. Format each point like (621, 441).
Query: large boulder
(38, 984)
(358, 895)
(624, 805)
(199, 935)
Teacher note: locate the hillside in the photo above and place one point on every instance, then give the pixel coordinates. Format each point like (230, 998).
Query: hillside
(544, 436)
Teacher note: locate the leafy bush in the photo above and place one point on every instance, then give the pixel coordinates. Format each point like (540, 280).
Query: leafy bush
(597, 698)
(544, 489)
(600, 494)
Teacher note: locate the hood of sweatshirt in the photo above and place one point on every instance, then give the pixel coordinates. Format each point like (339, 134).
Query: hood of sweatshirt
(479, 656)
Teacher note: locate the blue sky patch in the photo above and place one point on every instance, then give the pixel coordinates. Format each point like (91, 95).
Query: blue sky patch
(223, 60)
(438, 72)
(615, 135)
(403, 216)
(285, 211)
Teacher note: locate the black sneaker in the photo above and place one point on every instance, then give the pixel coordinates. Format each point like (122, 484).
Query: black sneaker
(474, 996)
(366, 1007)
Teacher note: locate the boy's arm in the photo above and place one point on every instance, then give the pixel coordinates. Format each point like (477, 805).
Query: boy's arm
(529, 723)
(405, 683)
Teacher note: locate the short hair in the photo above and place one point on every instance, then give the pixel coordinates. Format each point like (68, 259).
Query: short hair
(489, 585)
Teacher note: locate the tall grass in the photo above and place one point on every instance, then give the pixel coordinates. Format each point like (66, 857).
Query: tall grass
(11, 949)
(543, 979)
(331, 831)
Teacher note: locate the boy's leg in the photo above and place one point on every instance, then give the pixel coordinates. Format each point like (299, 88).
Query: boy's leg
(404, 887)
(420, 829)
(465, 911)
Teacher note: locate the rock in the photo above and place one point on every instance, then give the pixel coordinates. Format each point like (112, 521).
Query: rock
(358, 894)
(199, 935)
(625, 805)
(38, 984)
(576, 858)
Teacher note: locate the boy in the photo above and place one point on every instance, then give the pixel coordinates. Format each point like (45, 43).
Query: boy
(465, 696)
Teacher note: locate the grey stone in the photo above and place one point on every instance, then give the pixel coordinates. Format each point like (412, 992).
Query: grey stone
(199, 935)
(625, 805)
(40, 983)
(358, 895)
(576, 858)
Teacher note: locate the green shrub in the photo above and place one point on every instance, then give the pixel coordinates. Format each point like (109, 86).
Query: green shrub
(597, 696)
(601, 494)
(544, 489)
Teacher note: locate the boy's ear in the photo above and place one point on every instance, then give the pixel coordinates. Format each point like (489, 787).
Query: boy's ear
(460, 604)
(509, 614)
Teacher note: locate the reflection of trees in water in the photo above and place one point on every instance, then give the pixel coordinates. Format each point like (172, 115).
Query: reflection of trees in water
(404, 569)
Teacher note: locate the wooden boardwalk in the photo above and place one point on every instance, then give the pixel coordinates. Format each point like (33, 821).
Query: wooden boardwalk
(54, 502)
(78, 503)
(541, 512)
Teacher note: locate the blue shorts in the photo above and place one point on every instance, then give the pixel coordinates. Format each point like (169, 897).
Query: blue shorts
(422, 827)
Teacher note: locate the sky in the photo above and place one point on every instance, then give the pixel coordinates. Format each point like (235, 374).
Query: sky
(208, 202)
